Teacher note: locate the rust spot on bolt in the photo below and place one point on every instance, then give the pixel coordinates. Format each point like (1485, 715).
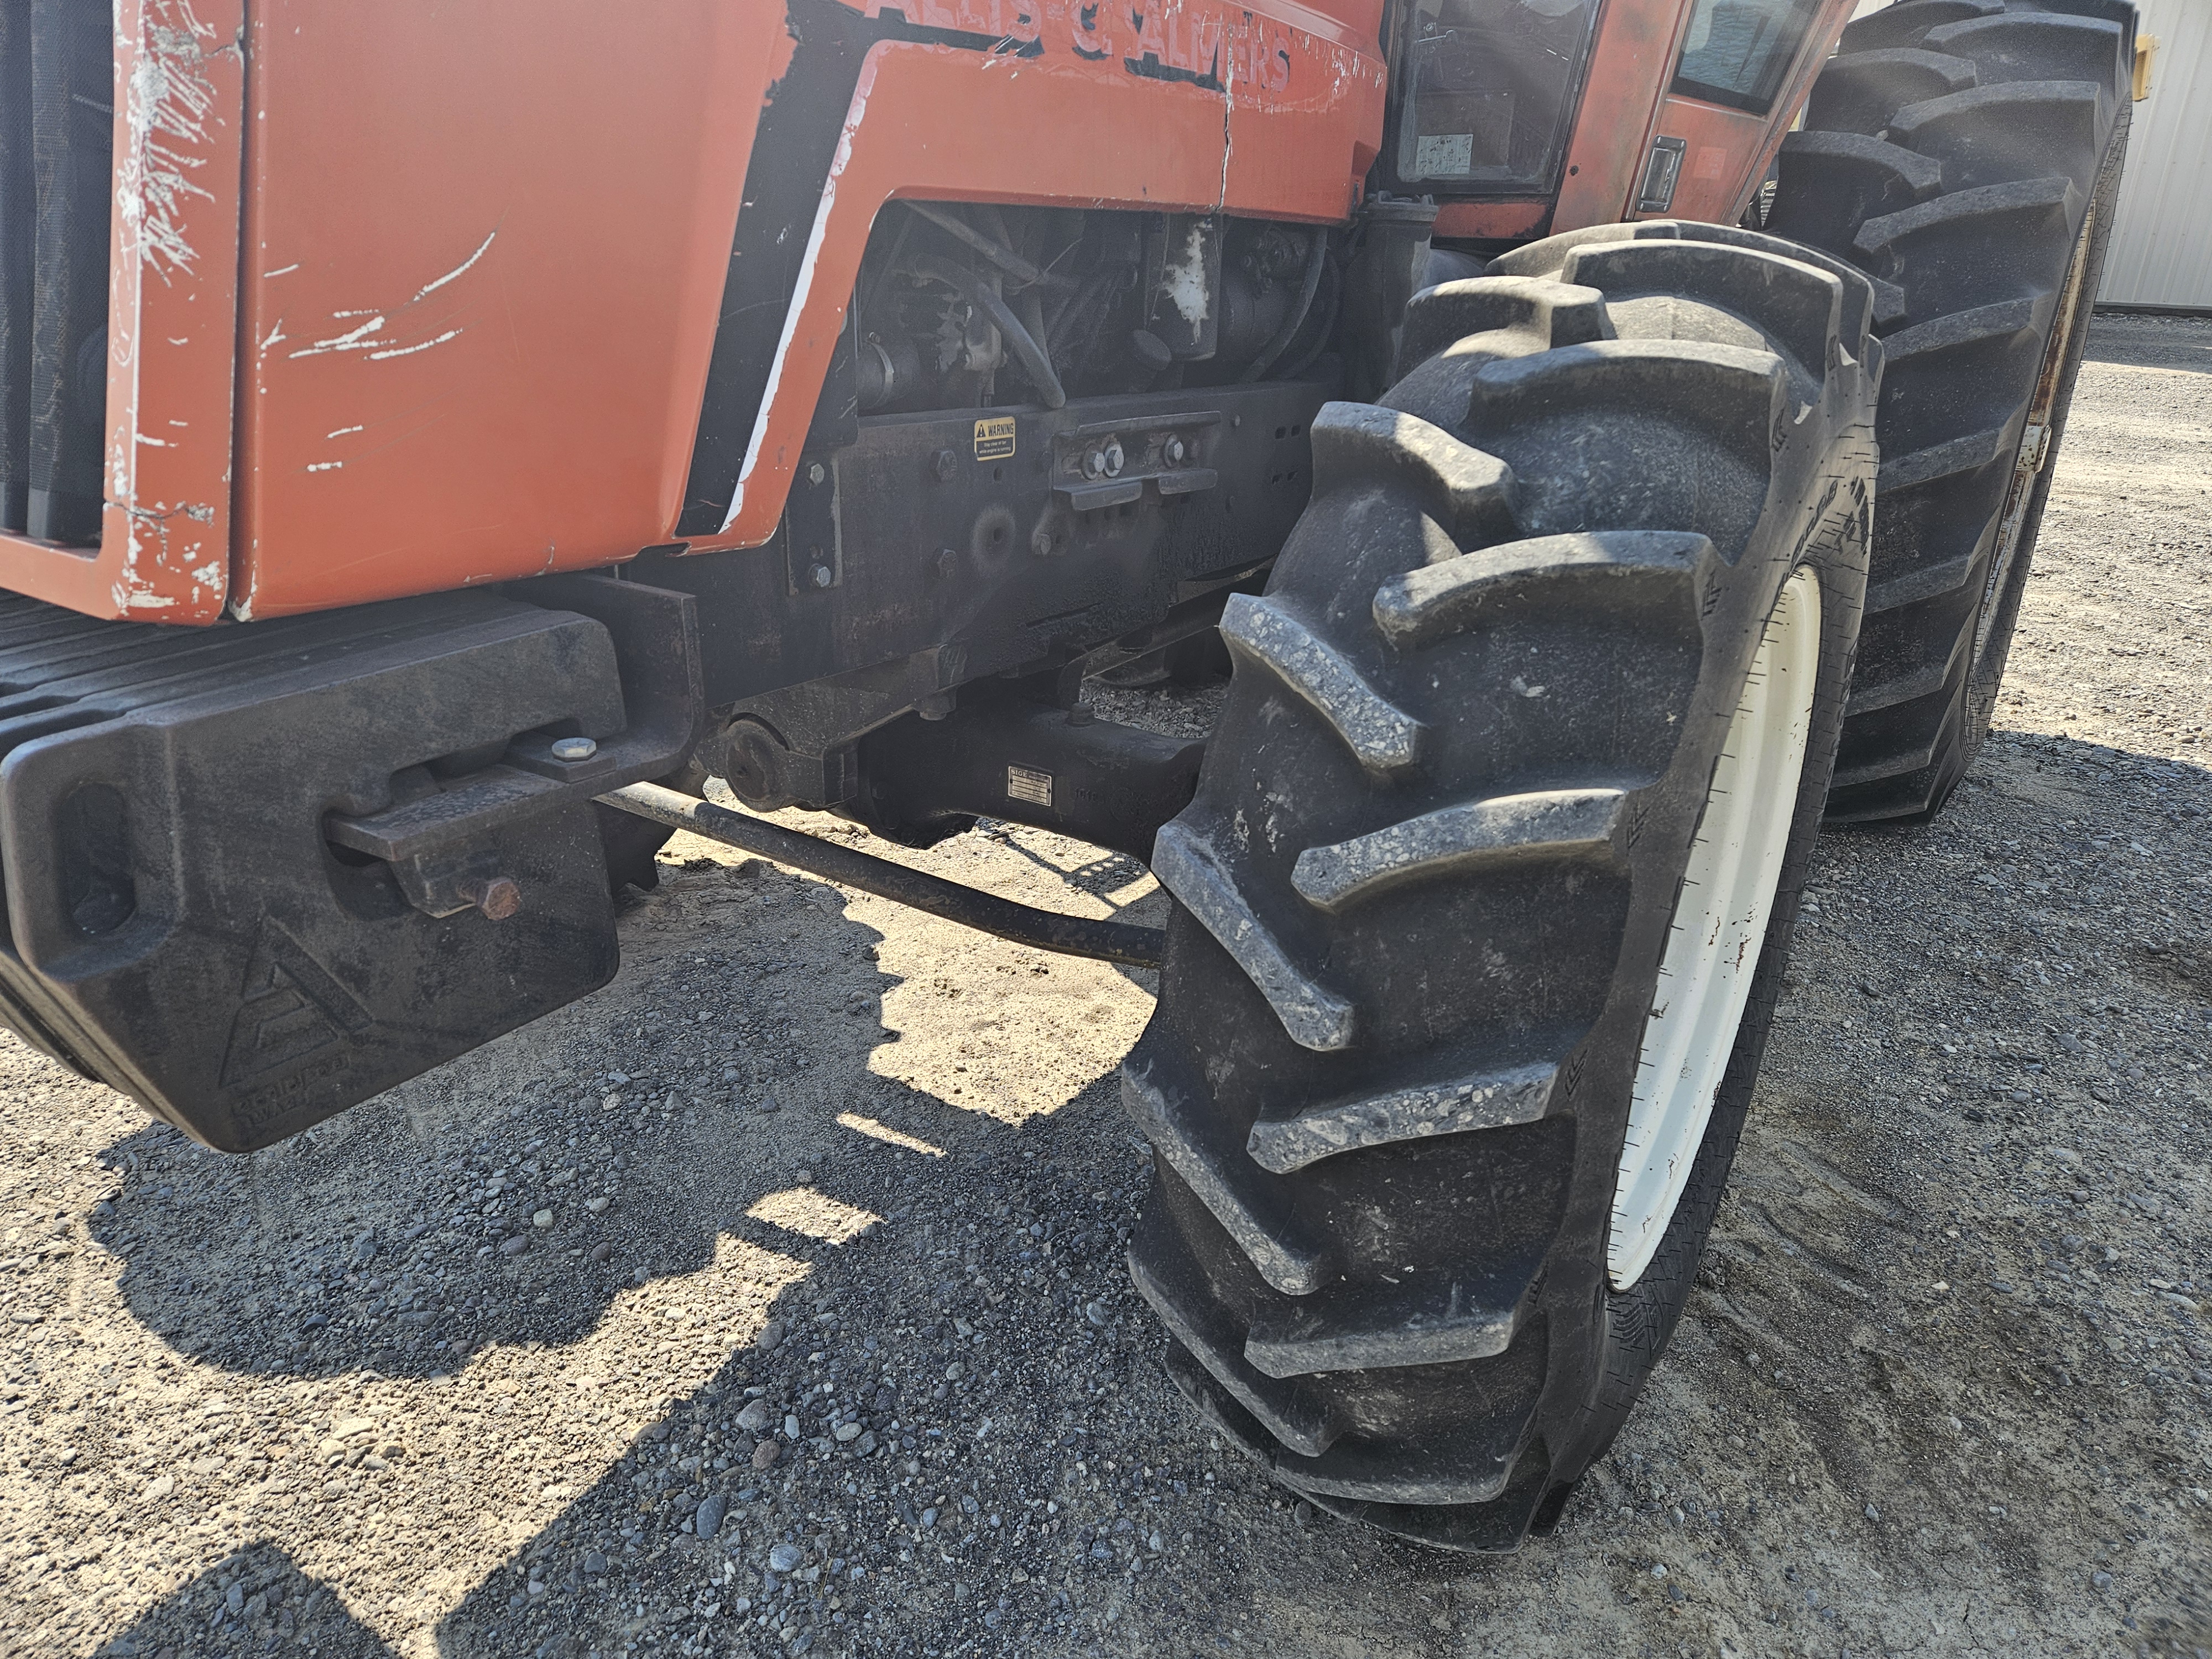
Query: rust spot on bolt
(497, 897)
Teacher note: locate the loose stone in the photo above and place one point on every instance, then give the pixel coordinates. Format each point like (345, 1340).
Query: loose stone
(709, 1520)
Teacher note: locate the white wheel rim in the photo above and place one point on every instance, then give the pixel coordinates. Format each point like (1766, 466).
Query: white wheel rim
(1718, 929)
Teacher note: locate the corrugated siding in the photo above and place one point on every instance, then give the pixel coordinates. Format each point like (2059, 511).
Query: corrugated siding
(2162, 250)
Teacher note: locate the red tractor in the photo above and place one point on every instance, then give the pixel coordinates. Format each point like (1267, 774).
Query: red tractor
(1608, 436)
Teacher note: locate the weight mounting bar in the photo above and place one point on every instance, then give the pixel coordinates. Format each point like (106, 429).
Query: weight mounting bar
(1045, 930)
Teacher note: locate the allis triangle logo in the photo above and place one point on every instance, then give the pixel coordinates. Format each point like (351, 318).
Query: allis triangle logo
(289, 1008)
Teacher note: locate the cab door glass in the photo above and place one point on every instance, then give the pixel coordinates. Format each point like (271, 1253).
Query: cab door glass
(1739, 52)
(1491, 90)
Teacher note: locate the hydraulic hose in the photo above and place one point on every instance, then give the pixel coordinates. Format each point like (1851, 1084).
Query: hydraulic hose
(990, 247)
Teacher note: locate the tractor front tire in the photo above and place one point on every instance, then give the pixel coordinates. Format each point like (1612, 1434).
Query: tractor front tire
(1483, 900)
(1967, 155)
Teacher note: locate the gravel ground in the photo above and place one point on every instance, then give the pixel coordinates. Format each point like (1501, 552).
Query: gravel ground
(770, 1301)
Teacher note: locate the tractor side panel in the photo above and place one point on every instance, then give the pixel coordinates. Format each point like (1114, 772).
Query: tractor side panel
(1631, 103)
(484, 250)
(1633, 56)
(487, 265)
(1188, 107)
(1728, 151)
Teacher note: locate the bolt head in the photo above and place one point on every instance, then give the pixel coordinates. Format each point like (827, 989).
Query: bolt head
(1094, 464)
(498, 897)
(822, 576)
(1112, 458)
(573, 749)
(815, 473)
(947, 464)
(1174, 450)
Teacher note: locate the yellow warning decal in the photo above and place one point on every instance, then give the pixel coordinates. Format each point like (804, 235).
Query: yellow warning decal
(994, 438)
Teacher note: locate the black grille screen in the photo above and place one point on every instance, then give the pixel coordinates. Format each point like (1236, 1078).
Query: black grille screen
(57, 127)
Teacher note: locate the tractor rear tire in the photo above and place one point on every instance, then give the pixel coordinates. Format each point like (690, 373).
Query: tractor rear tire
(1522, 760)
(1967, 155)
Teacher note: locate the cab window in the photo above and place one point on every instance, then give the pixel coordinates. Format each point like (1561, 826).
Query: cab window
(1739, 52)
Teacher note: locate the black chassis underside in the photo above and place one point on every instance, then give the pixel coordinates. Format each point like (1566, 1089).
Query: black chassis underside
(944, 562)
(256, 873)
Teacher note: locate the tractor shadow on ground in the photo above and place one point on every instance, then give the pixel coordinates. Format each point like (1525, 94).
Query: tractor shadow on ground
(398, 1237)
(255, 1599)
(1063, 1372)
(1105, 877)
(1060, 1336)
(1075, 1356)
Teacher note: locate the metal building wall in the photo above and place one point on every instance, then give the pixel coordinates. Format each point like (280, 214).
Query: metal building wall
(2161, 248)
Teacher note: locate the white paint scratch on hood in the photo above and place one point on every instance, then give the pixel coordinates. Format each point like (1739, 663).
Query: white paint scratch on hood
(148, 534)
(354, 339)
(165, 107)
(458, 270)
(1228, 123)
(409, 350)
(368, 335)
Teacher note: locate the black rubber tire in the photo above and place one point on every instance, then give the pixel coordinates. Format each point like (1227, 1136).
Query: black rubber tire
(1388, 1085)
(1967, 155)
